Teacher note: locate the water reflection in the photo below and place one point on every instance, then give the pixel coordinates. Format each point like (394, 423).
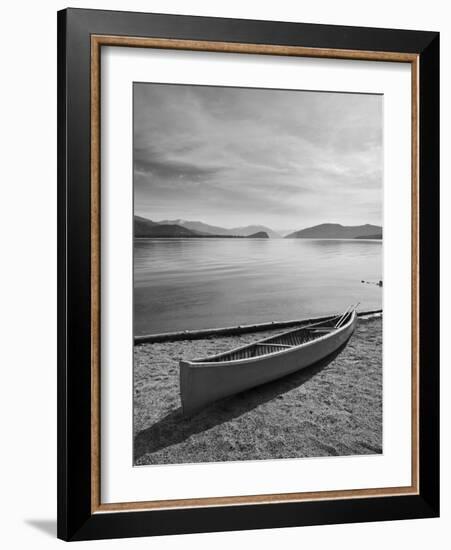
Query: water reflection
(199, 283)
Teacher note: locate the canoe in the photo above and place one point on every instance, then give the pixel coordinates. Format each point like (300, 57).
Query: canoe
(205, 380)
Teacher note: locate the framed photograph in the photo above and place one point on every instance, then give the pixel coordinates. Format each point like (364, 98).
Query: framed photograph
(248, 274)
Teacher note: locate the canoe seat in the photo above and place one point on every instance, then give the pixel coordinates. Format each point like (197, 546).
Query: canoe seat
(321, 329)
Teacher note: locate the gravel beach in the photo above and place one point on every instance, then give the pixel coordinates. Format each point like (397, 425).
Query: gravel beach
(331, 409)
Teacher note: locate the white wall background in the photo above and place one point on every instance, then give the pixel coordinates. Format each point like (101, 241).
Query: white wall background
(28, 271)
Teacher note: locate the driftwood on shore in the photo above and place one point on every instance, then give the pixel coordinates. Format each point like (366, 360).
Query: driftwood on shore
(240, 329)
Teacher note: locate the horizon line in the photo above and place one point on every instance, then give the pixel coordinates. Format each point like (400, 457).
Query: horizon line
(255, 224)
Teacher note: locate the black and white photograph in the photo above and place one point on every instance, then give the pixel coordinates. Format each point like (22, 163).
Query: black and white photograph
(257, 273)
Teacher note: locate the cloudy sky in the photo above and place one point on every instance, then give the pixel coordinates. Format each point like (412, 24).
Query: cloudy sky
(232, 156)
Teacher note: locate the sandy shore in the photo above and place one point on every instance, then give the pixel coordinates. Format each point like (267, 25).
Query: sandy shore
(334, 408)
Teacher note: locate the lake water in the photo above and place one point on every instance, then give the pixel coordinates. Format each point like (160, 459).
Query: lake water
(185, 284)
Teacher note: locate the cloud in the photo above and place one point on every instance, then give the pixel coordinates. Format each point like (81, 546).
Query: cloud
(235, 156)
(148, 162)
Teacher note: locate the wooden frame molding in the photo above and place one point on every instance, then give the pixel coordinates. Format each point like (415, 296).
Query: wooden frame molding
(97, 41)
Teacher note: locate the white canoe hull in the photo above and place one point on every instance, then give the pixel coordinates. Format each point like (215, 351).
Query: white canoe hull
(202, 383)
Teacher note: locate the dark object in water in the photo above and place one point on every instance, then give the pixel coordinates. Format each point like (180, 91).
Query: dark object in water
(203, 381)
(370, 283)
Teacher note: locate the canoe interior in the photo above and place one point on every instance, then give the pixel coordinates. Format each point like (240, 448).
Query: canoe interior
(281, 342)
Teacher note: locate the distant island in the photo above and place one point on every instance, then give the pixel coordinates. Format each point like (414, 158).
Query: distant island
(338, 231)
(178, 228)
(259, 235)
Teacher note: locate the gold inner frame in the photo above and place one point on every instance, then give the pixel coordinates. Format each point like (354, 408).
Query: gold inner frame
(97, 41)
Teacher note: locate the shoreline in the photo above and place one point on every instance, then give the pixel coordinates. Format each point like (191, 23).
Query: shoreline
(330, 409)
(238, 329)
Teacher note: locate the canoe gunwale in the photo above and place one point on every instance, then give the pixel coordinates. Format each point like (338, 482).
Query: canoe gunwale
(211, 361)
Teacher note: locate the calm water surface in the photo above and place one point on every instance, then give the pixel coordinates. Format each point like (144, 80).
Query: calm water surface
(184, 284)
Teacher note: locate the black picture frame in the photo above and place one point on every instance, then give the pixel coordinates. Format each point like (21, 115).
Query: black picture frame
(76, 519)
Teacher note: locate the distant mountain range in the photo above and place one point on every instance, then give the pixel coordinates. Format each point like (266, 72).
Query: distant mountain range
(147, 228)
(338, 231)
(246, 231)
(144, 227)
